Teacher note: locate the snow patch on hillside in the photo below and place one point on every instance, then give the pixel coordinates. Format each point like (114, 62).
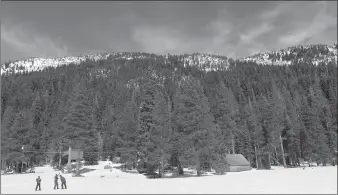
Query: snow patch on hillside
(296, 54)
(203, 62)
(206, 62)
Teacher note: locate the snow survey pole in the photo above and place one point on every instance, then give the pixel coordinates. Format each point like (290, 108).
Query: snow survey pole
(60, 156)
(69, 155)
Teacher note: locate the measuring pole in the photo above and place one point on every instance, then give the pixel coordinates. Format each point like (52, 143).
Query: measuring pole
(69, 155)
(60, 160)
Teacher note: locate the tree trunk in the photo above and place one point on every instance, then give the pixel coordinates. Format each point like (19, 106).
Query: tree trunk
(21, 166)
(17, 167)
(198, 162)
(198, 172)
(276, 156)
(256, 157)
(233, 144)
(291, 162)
(169, 120)
(281, 144)
(162, 167)
(78, 164)
(161, 171)
(198, 167)
(3, 164)
(179, 167)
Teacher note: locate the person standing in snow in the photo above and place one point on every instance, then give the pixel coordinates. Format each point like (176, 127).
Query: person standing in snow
(56, 183)
(63, 182)
(38, 183)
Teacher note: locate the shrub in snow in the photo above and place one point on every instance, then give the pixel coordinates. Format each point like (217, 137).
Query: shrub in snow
(116, 160)
(73, 166)
(91, 163)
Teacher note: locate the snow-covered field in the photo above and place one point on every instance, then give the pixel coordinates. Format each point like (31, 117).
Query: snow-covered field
(319, 180)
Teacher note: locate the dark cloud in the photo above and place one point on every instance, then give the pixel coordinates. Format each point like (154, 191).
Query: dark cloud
(226, 28)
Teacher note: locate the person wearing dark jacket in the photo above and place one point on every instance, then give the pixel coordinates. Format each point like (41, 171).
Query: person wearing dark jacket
(63, 182)
(56, 183)
(38, 183)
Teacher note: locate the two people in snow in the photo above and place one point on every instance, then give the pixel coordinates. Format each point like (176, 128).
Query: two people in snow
(56, 183)
(63, 182)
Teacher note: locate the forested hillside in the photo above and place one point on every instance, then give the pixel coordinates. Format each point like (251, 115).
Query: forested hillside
(160, 110)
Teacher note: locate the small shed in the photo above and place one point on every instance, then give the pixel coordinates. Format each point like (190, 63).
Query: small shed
(74, 154)
(237, 163)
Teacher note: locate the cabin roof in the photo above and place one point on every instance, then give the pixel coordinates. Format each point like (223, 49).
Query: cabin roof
(236, 160)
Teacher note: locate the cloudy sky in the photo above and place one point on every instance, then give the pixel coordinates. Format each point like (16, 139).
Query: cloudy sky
(52, 29)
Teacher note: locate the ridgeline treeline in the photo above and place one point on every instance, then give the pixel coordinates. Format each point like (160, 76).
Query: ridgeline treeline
(158, 110)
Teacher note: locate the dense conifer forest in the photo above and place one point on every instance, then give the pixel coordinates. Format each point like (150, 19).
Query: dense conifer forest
(158, 110)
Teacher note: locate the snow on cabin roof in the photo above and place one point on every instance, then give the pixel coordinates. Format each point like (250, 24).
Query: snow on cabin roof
(236, 160)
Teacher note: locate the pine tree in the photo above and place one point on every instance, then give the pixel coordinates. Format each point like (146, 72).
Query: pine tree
(278, 118)
(37, 109)
(293, 118)
(265, 111)
(318, 115)
(313, 137)
(20, 130)
(193, 121)
(158, 146)
(6, 124)
(146, 121)
(306, 140)
(77, 125)
(99, 101)
(226, 116)
(38, 126)
(127, 133)
(255, 130)
(91, 154)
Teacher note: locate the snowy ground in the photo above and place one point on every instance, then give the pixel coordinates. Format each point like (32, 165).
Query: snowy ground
(319, 180)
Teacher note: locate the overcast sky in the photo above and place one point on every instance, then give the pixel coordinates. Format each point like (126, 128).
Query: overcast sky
(52, 29)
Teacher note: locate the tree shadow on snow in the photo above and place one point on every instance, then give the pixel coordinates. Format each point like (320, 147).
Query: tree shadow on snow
(86, 170)
(132, 171)
(121, 168)
(185, 176)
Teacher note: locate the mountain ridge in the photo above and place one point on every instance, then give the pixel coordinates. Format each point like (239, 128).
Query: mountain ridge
(315, 54)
